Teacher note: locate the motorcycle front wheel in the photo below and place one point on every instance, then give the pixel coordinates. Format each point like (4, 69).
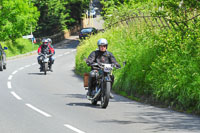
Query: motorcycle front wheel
(105, 95)
(45, 68)
(1, 65)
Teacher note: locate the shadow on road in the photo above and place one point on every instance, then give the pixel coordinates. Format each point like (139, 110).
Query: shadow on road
(77, 76)
(35, 73)
(67, 44)
(84, 105)
(159, 119)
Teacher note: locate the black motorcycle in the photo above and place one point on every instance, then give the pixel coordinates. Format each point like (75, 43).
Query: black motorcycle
(103, 84)
(45, 62)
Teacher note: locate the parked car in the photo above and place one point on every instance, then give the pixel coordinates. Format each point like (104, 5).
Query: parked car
(86, 32)
(2, 58)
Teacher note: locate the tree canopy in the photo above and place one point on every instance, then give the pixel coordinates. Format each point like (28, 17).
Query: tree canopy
(58, 15)
(17, 18)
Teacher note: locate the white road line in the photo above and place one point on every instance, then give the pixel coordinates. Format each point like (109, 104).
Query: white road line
(15, 95)
(66, 53)
(34, 63)
(9, 84)
(21, 68)
(73, 50)
(27, 65)
(60, 55)
(73, 128)
(10, 77)
(38, 110)
(14, 72)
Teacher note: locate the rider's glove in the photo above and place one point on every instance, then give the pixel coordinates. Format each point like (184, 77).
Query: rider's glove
(117, 66)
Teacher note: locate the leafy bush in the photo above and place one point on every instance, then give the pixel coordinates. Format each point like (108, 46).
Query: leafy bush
(175, 74)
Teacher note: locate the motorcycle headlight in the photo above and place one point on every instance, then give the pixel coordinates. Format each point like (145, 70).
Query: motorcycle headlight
(107, 67)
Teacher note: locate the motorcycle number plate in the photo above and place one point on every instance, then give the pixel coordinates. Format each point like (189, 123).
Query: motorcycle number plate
(46, 60)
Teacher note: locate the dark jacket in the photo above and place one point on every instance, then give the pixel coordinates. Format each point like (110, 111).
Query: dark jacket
(101, 57)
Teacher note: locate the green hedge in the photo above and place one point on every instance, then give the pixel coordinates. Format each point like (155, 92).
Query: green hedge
(161, 65)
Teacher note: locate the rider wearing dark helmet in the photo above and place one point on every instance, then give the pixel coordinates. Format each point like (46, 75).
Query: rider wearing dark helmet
(46, 48)
(101, 55)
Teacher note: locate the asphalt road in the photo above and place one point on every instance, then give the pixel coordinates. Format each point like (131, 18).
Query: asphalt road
(55, 103)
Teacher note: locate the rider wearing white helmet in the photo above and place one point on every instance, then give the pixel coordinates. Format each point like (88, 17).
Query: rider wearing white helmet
(49, 40)
(101, 55)
(46, 48)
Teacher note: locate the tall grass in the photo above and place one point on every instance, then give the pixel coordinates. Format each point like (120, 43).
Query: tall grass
(161, 65)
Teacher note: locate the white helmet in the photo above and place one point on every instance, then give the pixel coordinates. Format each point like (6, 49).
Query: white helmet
(102, 41)
(45, 41)
(49, 40)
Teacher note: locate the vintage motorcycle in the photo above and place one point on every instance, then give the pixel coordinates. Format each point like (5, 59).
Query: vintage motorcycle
(103, 84)
(45, 62)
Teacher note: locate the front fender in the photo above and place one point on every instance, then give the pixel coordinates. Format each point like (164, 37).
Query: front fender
(108, 79)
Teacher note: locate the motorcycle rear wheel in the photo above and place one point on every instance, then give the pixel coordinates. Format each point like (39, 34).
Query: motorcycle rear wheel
(105, 95)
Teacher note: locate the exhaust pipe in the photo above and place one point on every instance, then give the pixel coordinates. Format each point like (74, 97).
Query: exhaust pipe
(96, 95)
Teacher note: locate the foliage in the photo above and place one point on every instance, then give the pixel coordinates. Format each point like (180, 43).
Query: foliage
(77, 8)
(114, 12)
(16, 18)
(58, 15)
(179, 11)
(174, 75)
(53, 16)
(175, 10)
(161, 65)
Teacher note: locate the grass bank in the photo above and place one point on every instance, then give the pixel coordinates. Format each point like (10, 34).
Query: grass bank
(20, 46)
(162, 66)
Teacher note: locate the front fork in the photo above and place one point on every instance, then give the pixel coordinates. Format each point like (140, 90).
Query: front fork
(107, 78)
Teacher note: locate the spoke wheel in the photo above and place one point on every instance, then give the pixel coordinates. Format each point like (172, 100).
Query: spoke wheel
(45, 68)
(105, 95)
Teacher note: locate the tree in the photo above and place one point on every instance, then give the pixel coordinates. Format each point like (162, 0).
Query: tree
(77, 8)
(53, 16)
(58, 15)
(16, 18)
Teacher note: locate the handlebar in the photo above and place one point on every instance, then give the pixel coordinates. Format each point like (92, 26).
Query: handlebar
(101, 65)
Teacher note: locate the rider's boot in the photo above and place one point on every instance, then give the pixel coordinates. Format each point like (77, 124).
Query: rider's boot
(111, 96)
(41, 68)
(50, 68)
(89, 93)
